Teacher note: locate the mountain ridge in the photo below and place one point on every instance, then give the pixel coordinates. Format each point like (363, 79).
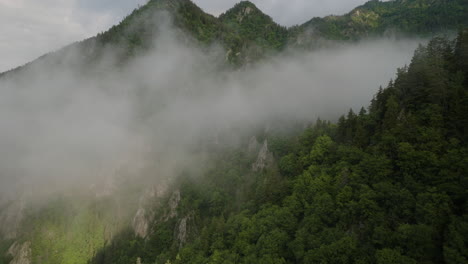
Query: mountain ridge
(259, 35)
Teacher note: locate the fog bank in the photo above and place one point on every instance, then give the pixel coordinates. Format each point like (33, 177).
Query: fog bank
(60, 127)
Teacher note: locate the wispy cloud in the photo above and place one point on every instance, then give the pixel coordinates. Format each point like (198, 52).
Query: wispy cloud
(60, 125)
(30, 28)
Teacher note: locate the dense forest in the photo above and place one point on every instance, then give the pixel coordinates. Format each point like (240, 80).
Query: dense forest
(376, 18)
(385, 185)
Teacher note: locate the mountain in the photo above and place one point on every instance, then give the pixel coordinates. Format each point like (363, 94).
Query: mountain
(376, 18)
(253, 26)
(248, 34)
(136, 32)
(385, 185)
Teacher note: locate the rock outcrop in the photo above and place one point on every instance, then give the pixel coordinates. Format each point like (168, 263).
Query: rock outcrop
(264, 158)
(144, 215)
(21, 253)
(182, 234)
(244, 12)
(146, 218)
(183, 228)
(173, 204)
(141, 223)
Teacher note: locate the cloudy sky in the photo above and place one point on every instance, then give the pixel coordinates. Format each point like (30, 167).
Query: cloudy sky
(30, 28)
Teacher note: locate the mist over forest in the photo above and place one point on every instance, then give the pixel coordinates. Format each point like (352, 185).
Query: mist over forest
(63, 126)
(180, 137)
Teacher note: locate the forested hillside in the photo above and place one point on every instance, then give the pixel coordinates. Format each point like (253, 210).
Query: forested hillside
(385, 185)
(259, 32)
(248, 35)
(376, 18)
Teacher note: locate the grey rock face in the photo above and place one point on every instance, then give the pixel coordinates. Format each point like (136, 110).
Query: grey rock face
(182, 236)
(182, 229)
(143, 217)
(245, 12)
(21, 253)
(264, 159)
(173, 204)
(141, 223)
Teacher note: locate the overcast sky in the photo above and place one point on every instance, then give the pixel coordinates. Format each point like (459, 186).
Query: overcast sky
(30, 28)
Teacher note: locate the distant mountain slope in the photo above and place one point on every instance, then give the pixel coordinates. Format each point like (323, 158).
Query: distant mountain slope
(376, 18)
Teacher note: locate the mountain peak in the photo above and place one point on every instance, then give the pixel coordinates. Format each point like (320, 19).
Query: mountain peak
(255, 26)
(247, 4)
(165, 3)
(241, 10)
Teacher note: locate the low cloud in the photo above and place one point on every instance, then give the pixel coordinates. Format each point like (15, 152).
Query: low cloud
(61, 127)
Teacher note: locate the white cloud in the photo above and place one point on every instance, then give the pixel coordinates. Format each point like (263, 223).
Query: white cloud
(31, 28)
(150, 117)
